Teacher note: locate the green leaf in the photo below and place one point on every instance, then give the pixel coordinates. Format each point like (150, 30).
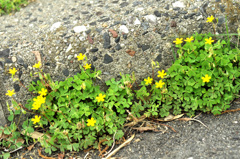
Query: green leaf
(6, 155)
(11, 116)
(7, 131)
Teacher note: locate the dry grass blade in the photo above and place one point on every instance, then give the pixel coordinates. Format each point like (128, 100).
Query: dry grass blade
(122, 145)
(45, 157)
(170, 118)
(135, 120)
(232, 110)
(189, 119)
(142, 129)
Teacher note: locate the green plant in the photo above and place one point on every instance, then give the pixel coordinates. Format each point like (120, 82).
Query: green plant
(8, 6)
(75, 114)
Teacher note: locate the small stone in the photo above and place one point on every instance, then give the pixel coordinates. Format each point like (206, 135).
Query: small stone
(70, 57)
(93, 23)
(167, 7)
(117, 39)
(158, 58)
(107, 59)
(69, 48)
(88, 31)
(79, 29)
(131, 52)
(139, 9)
(157, 13)
(14, 59)
(145, 33)
(178, 4)
(104, 25)
(85, 12)
(95, 58)
(125, 36)
(221, 20)
(151, 18)
(16, 87)
(5, 53)
(55, 26)
(106, 44)
(83, 50)
(104, 20)
(145, 25)
(191, 15)
(124, 29)
(33, 20)
(99, 30)
(137, 22)
(177, 8)
(94, 50)
(20, 61)
(145, 47)
(114, 33)
(65, 72)
(136, 3)
(118, 47)
(124, 4)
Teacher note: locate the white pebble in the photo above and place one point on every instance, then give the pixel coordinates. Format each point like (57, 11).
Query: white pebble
(123, 29)
(83, 37)
(151, 18)
(69, 48)
(14, 59)
(137, 22)
(55, 26)
(140, 9)
(178, 4)
(79, 29)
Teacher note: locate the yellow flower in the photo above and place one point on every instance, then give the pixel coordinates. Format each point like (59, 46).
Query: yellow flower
(161, 74)
(36, 106)
(12, 71)
(159, 84)
(87, 66)
(189, 39)
(209, 41)
(43, 92)
(178, 41)
(101, 97)
(38, 102)
(148, 80)
(80, 57)
(210, 19)
(36, 119)
(10, 93)
(91, 122)
(37, 65)
(206, 78)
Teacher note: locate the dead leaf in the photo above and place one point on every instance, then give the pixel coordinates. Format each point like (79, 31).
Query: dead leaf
(45, 157)
(60, 156)
(38, 55)
(35, 135)
(131, 52)
(30, 147)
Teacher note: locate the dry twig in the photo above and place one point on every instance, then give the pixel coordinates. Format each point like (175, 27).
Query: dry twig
(122, 145)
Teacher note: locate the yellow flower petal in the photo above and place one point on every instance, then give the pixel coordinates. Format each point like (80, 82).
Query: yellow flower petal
(10, 93)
